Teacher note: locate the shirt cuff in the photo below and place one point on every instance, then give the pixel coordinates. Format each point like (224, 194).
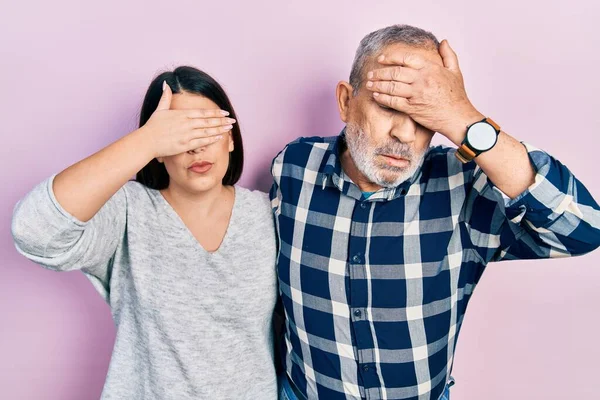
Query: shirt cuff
(546, 199)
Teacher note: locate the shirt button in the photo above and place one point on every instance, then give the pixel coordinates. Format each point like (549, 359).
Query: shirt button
(363, 205)
(366, 368)
(357, 313)
(356, 258)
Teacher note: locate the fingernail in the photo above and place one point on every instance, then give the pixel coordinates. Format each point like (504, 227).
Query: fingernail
(230, 121)
(370, 75)
(218, 137)
(375, 94)
(164, 85)
(381, 58)
(369, 84)
(228, 127)
(225, 113)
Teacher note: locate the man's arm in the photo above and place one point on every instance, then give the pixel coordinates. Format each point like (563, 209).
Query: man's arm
(554, 217)
(549, 213)
(433, 94)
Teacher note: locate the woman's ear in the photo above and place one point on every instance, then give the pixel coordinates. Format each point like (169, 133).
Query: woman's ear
(231, 145)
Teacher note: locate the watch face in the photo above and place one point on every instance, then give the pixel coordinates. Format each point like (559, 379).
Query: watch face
(481, 136)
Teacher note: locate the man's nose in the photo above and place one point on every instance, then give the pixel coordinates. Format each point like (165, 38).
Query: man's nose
(404, 128)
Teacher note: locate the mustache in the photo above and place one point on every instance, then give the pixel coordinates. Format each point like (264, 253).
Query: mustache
(392, 148)
(395, 149)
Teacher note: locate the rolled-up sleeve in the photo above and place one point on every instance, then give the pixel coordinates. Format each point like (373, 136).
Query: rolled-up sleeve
(555, 217)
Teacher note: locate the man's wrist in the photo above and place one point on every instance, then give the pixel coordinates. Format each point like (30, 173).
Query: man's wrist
(457, 131)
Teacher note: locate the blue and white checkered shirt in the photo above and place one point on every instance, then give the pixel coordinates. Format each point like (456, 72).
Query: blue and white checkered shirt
(375, 290)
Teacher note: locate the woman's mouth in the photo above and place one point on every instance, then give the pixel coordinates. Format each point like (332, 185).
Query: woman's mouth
(200, 167)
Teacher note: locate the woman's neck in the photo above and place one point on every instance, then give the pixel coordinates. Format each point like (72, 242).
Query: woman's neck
(198, 203)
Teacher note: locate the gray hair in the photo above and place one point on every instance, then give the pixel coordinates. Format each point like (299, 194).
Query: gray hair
(375, 41)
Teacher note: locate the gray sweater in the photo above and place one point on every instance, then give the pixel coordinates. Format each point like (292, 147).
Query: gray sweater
(190, 324)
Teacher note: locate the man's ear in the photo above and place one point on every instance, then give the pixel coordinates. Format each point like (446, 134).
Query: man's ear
(343, 92)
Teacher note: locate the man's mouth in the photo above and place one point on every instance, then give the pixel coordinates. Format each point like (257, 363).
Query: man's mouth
(395, 161)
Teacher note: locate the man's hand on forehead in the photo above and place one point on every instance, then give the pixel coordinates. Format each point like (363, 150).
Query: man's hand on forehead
(431, 92)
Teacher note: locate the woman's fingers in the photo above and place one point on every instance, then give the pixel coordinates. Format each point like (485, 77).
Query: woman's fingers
(178, 131)
(202, 123)
(208, 132)
(202, 142)
(205, 113)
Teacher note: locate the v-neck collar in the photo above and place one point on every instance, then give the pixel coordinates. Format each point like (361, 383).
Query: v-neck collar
(175, 216)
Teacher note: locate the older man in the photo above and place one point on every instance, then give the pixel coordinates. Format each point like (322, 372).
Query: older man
(383, 238)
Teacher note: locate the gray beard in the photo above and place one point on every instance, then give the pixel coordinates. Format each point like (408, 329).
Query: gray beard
(380, 173)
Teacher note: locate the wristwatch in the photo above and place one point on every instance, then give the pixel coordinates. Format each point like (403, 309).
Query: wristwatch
(481, 137)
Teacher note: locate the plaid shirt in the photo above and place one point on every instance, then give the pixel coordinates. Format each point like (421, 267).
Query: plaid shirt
(375, 290)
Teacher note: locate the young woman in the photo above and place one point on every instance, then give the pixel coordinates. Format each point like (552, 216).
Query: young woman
(184, 258)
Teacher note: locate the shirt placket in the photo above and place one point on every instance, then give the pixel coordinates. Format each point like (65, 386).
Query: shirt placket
(359, 300)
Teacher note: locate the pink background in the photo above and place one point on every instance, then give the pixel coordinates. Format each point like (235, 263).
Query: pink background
(73, 76)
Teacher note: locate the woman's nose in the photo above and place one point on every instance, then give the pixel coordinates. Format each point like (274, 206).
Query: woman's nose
(195, 151)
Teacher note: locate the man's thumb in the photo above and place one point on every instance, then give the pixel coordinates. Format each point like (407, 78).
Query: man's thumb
(449, 57)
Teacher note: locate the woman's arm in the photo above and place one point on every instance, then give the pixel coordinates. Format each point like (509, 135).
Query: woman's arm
(83, 188)
(76, 220)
